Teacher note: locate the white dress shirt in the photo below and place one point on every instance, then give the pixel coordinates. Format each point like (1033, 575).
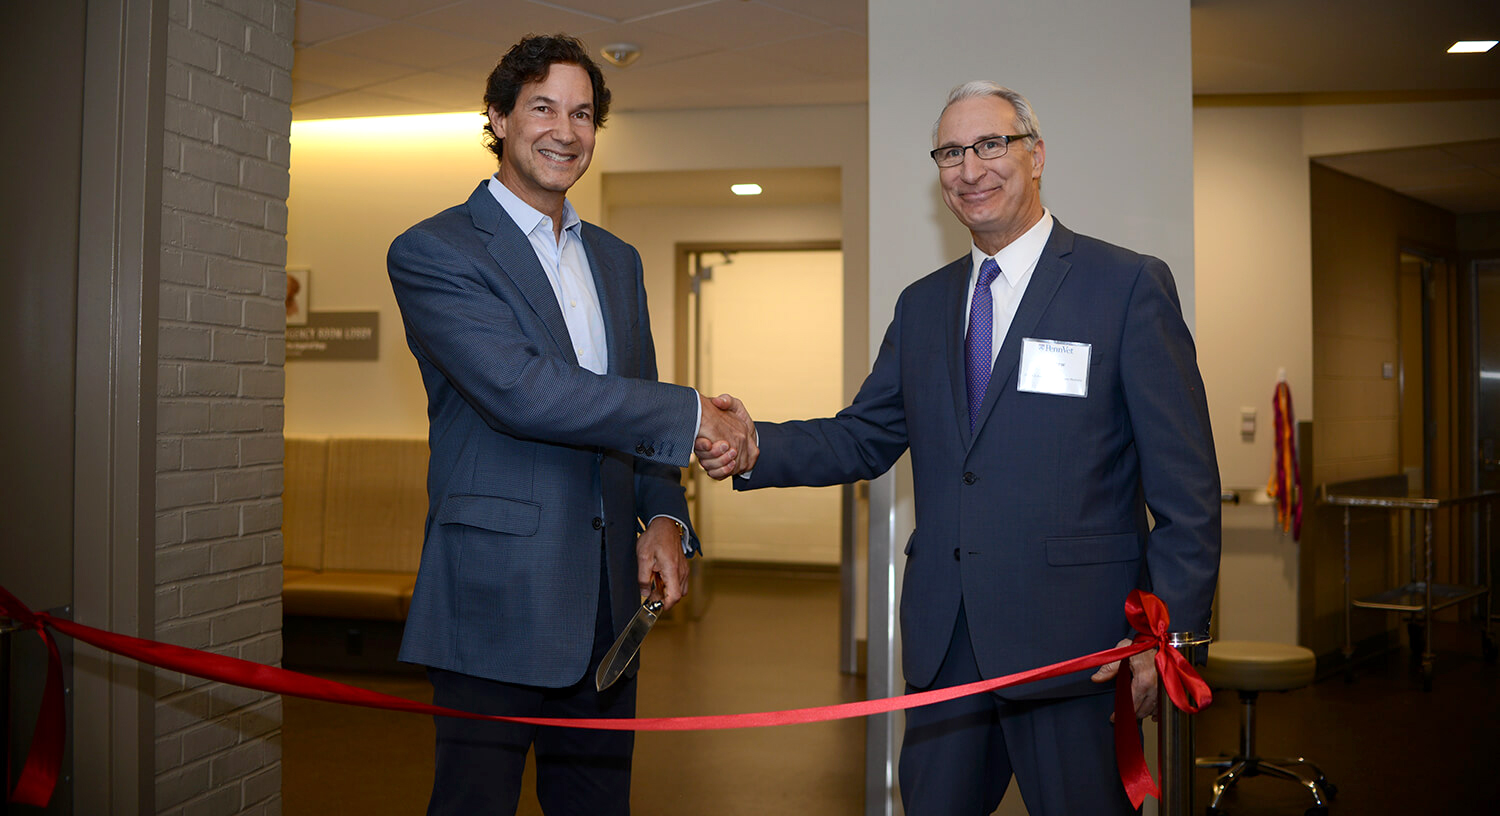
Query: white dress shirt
(566, 263)
(567, 266)
(1017, 260)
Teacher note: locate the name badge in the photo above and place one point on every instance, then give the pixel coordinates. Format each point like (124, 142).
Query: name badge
(1054, 367)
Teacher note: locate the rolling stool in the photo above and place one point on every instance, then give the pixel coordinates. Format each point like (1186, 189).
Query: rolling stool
(1250, 667)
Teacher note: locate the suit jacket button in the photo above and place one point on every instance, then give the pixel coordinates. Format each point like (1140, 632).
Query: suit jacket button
(641, 449)
(598, 523)
(955, 553)
(970, 478)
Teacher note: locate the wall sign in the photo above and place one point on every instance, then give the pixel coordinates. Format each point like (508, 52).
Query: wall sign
(335, 336)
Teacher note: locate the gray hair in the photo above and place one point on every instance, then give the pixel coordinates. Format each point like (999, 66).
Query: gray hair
(1026, 120)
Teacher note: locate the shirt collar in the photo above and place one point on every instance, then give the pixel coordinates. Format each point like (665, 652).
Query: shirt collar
(526, 216)
(1019, 256)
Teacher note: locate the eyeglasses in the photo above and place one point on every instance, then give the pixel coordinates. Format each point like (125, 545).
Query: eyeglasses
(991, 148)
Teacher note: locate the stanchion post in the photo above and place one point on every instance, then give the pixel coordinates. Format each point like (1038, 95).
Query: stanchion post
(1175, 744)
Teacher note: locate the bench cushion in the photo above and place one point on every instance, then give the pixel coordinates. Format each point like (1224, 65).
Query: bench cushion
(349, 594)
(306, 475)
(376, 504)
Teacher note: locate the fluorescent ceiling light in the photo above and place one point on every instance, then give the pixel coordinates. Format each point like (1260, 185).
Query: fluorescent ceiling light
(745, 189)
(1472, 46)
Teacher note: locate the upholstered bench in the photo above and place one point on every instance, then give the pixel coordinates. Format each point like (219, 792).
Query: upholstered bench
(353, 510)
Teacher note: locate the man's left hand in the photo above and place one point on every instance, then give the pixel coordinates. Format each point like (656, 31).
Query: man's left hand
(658, 552)
(1142, 681)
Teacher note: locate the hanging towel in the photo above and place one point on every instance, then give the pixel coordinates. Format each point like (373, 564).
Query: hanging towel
(1285, 485)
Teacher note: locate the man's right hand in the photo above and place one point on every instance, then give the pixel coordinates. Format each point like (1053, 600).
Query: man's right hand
(726, 437)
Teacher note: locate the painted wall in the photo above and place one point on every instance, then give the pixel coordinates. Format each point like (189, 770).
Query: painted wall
(1254, 246)
(1479, 233)
(1256, 281)
(356, 184)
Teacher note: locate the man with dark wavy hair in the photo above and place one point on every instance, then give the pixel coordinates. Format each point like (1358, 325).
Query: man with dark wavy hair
(553, 483)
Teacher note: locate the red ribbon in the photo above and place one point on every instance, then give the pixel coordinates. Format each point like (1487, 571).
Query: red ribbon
(1145, 612)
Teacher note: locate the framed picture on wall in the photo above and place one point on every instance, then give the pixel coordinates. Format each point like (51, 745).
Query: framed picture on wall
(298, 296)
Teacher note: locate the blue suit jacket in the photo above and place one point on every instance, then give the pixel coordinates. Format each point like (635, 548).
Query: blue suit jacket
(531, 454)
(1037, 519)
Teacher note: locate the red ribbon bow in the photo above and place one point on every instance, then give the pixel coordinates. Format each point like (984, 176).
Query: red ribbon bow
(1148, 616)
(38, 777)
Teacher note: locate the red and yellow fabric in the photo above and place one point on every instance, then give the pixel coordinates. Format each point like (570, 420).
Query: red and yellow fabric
(1285, 484)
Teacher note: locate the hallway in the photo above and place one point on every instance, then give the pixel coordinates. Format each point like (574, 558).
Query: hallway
(769, 641)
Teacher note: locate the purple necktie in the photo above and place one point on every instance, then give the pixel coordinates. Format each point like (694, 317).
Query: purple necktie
(979, 348)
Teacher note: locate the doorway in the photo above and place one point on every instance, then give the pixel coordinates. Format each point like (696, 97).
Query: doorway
(1428, 375)
(1430, 381)
(765, 323)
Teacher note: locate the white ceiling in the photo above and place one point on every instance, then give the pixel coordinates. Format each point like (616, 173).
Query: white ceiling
(372, 57)
(1460, 178)
(388, 57)
(1321, 46)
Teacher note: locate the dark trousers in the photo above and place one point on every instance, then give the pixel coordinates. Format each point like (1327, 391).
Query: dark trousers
(957, 757)
(579, 772)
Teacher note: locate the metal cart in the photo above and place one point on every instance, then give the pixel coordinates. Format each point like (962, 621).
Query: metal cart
(1421, 596)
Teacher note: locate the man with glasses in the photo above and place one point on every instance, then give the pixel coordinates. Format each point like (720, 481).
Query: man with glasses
(1049, 392)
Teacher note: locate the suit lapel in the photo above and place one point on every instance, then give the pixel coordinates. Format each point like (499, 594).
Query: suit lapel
(1050, 270)
(954, 297)
(515, 256)
(608, 282)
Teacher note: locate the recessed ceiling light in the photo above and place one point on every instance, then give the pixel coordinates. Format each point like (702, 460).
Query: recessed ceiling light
(745, 189)
(1472, 46)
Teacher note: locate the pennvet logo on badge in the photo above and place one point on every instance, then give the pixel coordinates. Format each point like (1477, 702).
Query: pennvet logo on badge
(1054, 367)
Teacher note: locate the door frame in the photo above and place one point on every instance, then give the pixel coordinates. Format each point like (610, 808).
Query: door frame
(684, 275)
(119, 264)
(684, 279)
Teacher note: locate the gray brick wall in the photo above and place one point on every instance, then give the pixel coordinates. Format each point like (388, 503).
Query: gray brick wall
(221, 352)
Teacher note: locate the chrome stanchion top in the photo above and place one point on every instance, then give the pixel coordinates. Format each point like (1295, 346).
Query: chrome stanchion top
(1175, 739)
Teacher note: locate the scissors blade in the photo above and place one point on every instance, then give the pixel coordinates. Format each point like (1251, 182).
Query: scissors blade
(626, 646)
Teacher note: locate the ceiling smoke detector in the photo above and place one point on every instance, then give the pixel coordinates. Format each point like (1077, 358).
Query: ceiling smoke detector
(620, 54)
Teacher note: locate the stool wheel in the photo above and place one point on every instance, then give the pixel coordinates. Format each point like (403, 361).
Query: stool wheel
(1317, 810)
(1327, 787)
(1213, 811)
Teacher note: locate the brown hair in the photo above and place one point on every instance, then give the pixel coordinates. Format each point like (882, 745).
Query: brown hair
(529, 61)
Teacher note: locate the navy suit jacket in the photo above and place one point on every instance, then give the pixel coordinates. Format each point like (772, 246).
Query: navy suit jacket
(1037, 520)
(532, 455)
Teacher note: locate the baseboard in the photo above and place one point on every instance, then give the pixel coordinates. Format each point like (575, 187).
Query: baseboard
(817, 572)
(1370, 648)
(342, 645)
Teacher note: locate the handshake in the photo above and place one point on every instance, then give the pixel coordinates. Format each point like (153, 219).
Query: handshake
(726, 444)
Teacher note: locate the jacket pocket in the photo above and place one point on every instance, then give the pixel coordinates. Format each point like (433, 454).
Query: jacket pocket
(1102, 549)
(500, 515)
